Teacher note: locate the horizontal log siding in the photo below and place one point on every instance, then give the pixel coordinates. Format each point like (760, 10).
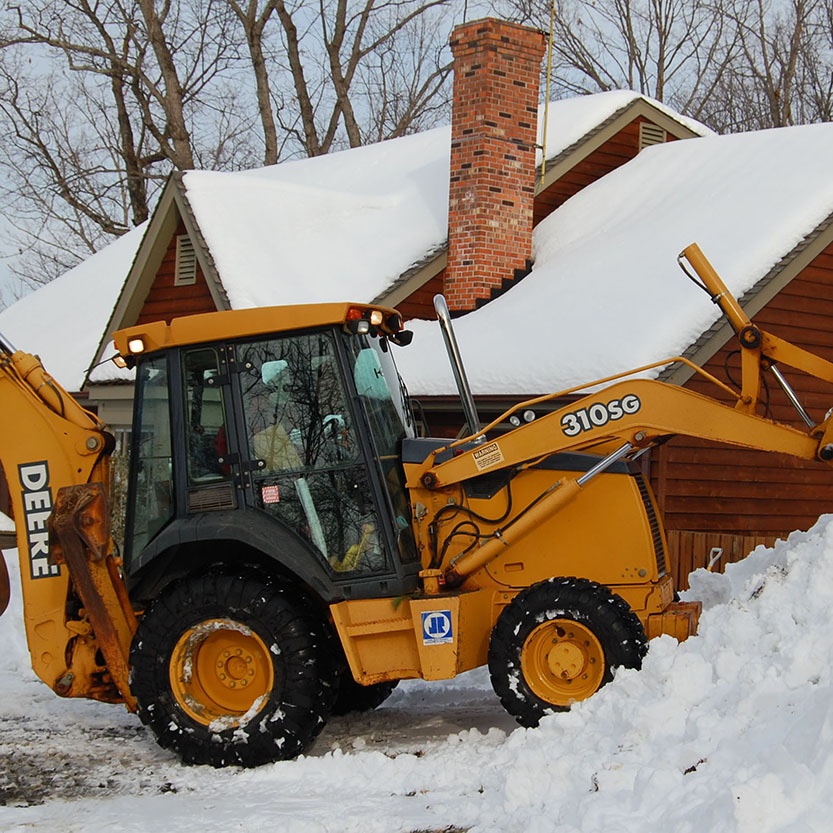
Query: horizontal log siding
(709, 488)
(690, 551)
(166, 301)
(614, 152)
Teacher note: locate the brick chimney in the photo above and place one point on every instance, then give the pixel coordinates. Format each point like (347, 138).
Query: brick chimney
(493, 136)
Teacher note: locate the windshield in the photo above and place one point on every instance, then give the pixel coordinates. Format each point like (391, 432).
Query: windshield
(388, 411)
(381, 388)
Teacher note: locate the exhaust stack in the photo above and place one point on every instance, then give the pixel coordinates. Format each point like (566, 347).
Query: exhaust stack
(469, 408)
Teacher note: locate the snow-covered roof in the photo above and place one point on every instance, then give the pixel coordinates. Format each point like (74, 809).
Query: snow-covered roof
(62, 322)
(334, 228)
(345, 226)
(606, 294)
(339, 227)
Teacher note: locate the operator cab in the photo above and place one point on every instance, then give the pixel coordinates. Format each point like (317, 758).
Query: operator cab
(289, 442)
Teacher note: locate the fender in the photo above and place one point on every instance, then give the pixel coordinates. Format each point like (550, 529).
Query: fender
(221, 530)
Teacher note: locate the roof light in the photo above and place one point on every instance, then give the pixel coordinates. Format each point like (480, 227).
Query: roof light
(376, 317)
(136, 345)
(119, 361)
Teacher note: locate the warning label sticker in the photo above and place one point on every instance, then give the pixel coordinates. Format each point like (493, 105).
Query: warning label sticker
(271, 494)
(488, 456)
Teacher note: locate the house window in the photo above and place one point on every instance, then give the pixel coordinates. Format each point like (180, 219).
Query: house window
(186, 262)
(650, 134)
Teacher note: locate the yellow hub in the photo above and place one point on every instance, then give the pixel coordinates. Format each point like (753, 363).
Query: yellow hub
(220, 670)
(563, 662)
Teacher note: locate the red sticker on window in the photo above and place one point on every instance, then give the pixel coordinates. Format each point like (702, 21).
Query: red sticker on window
(270, 494)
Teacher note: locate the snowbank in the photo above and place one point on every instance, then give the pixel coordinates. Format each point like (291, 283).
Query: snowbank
(730, 731)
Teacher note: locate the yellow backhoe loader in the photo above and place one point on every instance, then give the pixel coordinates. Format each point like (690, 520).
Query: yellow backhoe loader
(293, 549)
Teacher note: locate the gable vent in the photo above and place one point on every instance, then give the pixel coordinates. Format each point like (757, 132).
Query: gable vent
(186, 262)
(650, 134)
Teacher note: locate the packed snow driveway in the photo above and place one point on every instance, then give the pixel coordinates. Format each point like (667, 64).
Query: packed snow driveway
(730, 731)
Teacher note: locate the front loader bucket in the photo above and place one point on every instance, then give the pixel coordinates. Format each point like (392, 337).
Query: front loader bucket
(5, 590)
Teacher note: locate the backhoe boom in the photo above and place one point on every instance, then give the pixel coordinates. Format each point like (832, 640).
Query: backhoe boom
(74, 601)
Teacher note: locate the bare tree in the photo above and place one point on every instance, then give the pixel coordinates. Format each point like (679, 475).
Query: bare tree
(159, 85)
(253, 20)
(361, 85)
(671, 50)
(762, 88)
(817, 69)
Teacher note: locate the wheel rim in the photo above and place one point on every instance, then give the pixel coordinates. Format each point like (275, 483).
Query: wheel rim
(562, 662)
(221, 673)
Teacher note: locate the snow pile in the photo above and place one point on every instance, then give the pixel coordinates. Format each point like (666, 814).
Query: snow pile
(730, 731)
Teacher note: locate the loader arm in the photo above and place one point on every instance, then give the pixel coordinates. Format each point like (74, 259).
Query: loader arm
(625, 418)
(56, 459)
(761, 351)
(641, 412)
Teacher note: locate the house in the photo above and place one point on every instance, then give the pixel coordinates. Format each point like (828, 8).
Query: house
(593, 290)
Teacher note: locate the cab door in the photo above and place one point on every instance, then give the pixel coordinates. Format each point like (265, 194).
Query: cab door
(302, 455)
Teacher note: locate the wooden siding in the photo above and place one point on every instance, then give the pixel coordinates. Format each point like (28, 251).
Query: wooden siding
(165, 300)
(614, 152)
(420, 304)
(687, 551)
(709, 488)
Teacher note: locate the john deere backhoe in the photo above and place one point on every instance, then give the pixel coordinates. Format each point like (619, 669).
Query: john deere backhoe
(292, 549)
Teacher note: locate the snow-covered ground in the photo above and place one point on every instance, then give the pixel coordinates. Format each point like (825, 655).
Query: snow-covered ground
(730, 731)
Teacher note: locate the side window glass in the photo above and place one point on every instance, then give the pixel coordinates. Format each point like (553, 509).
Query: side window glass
(205, 426)
(153, 503)
(307, 469)
(296, 412)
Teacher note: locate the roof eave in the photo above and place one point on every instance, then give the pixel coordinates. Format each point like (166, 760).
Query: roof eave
(568, 158)
(173, 205)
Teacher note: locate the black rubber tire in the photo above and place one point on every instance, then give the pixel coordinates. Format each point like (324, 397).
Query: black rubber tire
(353, 697)
(297, 643)
(607, 616)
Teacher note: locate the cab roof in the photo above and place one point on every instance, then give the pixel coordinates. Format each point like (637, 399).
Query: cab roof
(234, 324)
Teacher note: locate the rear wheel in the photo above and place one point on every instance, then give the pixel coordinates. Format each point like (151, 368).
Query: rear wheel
(353, 697)
(557, 643)
(230, 670)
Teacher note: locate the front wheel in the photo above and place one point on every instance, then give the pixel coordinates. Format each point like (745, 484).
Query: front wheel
(231, 670)
(558, 642)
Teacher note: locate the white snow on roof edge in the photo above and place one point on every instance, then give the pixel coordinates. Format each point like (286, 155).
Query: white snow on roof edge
(63, 321)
